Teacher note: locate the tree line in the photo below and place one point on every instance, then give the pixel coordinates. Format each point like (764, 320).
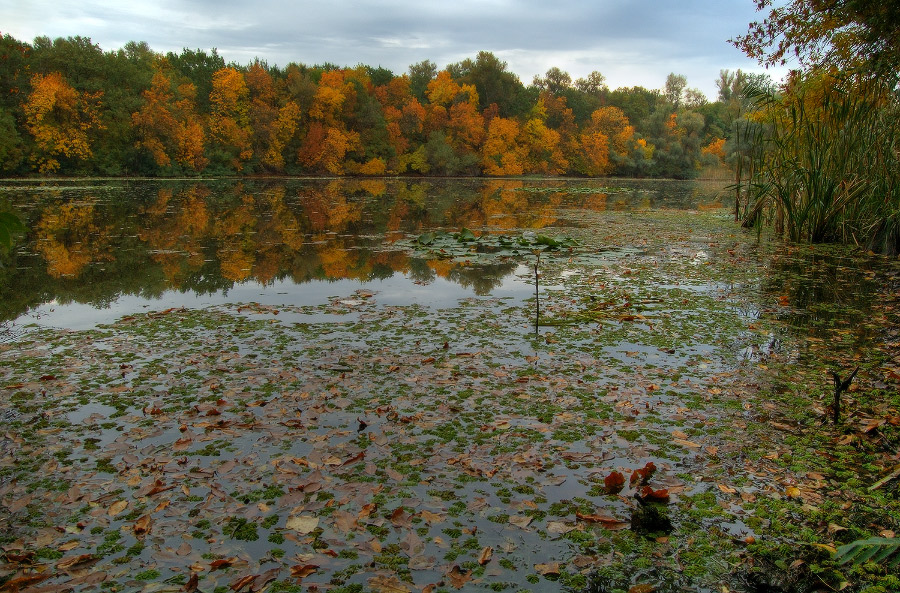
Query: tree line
(69, 108)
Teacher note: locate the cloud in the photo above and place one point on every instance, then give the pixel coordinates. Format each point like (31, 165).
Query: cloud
(634, 43)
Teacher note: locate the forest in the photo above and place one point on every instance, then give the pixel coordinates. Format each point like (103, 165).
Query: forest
(67, 107)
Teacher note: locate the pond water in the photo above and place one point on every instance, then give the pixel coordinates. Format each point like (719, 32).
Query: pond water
(346, 385)
(99, 250)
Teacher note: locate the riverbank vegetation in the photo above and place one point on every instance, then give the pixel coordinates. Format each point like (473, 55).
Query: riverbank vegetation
(822, 153)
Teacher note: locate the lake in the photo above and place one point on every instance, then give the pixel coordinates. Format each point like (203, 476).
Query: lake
(99, 250)
(432, 385)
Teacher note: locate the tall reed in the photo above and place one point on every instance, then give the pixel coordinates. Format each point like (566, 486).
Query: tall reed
(829, 168)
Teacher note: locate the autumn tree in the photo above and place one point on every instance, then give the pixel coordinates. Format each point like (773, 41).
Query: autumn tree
(502, 154)
(851, 35)
(167, 126)
(61, 120)
(229, 118)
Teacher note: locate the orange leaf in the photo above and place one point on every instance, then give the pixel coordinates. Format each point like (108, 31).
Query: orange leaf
(650, 495)
(614, 482)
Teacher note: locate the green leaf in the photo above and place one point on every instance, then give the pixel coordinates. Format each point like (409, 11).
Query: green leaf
(875, 549)
(426, 238)
(466, 236)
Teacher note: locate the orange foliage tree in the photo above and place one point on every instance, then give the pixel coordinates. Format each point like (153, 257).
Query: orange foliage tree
(61, 120)
(502, 154)
(167, 124)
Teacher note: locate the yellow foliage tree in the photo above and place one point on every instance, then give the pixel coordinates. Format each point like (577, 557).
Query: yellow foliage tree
(229, 121)
(61, 120)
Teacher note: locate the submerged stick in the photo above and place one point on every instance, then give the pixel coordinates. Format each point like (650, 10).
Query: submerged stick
(537, 296)
(839, 387)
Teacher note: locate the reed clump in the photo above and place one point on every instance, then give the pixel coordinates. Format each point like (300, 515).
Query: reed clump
(827, 164)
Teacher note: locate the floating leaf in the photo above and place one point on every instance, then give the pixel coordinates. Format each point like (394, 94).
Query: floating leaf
(550, 568)
(300, 571)
(117, 507)
(458, 577)
(302, 523)
(648, 494)
(387, 584)
(614, 482)
(485, 555)
(607, 522)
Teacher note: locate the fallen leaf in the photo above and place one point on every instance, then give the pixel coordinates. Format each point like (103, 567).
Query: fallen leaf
(431, 518)
(142, 525)
(614, 482)
(302, 523)
(242, 582)
(485, 555)
(641, 589)
(550, 568)
(117, 507)
(520, 520)
(726, 489)
(458, 577)
(66, 563)
(648, 494)
(192, 584)
(300, 571)
(387, 584)
(608, 522)
(559, 527)
(221, 563)
(792, 492)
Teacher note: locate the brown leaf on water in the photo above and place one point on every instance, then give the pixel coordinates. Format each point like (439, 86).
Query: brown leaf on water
(300, 571)
(520, 520)
(117, 507)
(142, 525)
(614, 482)
(648, 494)
(302, 523)
(244, 581)
(431, 518)
(607, 522)
(221, 563)
(458, 577)
(192, 584)
(345, 521)
(400, 518)
(485, 555)
(74, 561)
(642, 589)
(387, 584)
(17, 584)
(726, 489)
(550, 568)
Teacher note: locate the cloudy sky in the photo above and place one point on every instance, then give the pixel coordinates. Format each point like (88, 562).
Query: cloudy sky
(635, 42)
